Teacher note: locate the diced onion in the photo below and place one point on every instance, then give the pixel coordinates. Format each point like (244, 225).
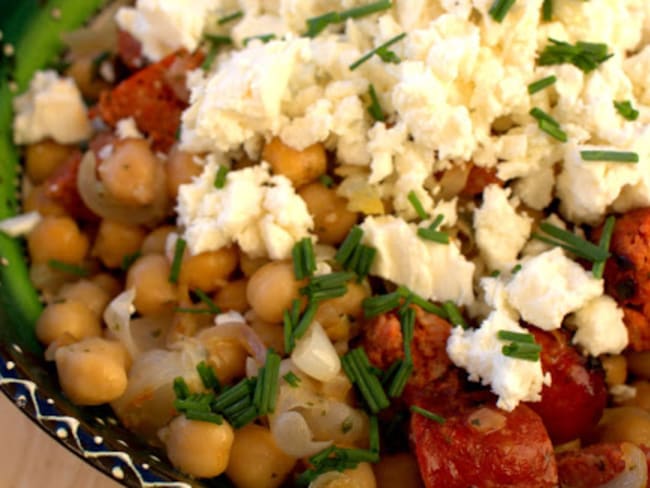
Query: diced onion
(118, 320)
(238, 331)
(635, 474)
(97, 199)
(315, 355)
(293, 435)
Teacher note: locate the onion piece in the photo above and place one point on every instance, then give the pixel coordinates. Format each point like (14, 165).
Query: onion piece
(238, 331)
(315, 355)
(97, 199)
(293, 435)
(117, 317)
(635, 474)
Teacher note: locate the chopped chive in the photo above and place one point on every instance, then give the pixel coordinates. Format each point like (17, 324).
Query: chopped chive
(436, 222)
(326, 180)
(417, 205)
(382, 51)
(515, 269)
(357, 368)
(292, 379)
(376, 305)
(540, 115)
(181, 390)
(375, 108)
(245, 417)
(349, 244)
(500, 8)
(199, 402)
(495, 274)
(267, 384)
(207, 301)
(548, 124)
(365, 261)
(626, 110)
(304, 259)
(605, 238)
(220, 177)
(547, 10)
(586, 56)
(572, 242)
(428, 414)
(374, 434)
(215, 43)
(610, 156)
(316, 25)
(508, 335)
(327, 286)
(208, 378)
(400, 379)
(539, 85)
(433, 235)
(287, 332)
(421, 302)
(306, 320)
(129, 259)
(71, 269)
(213, 418)
(522, 350)
(455, 317)
(233, 394)
(262, 37)
(179, 249)
(230, 17)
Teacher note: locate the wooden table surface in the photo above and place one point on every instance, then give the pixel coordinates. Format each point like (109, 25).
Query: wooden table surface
(29, 458)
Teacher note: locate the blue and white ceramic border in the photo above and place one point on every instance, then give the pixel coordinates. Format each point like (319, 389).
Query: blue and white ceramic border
(121, 466)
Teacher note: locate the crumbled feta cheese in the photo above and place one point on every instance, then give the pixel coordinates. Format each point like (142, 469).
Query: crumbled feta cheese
(127, 128)
(52, 107)
(20, 225)
(600, 327)
(500, 231)
(478, 351)
(549, 286)
(260, 212)
(164, 26)
(435, 271)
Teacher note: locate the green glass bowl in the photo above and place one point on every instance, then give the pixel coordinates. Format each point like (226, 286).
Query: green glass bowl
(30, 40)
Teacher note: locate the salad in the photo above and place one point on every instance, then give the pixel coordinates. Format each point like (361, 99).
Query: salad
(351, 243)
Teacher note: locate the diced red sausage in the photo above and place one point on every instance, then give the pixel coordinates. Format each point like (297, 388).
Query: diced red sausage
(591, 466)
(574, 402)
(384, 345)
(478, 179)
(482, 446)
(638, 329)
(129, 50)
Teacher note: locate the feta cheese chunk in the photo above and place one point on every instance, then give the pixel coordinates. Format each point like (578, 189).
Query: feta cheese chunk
(20, 225)
(549, 286)
(435, 271)
(128, 129)
(52, 107)
(261, 213)
(500, 231)
(164, 26)
(600, 327)
(478, 351)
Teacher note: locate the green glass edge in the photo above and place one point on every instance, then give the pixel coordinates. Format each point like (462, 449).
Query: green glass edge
(35, 32)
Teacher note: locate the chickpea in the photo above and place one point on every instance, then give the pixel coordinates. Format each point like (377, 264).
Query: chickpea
(84, 72)
(272, 335)
(57, 238)
(232, 296)
(108, 283)
(69, 317)
(156, 240)
(300, 167)
(209, 270)
(249, 265)
(228, 358)
(359, 477)
(92, 295)
(200, 449)
(332, 219)
(42, 158)
(642, 398)
(115, 241)
(37, 200)
(271, 290)
(623, 424)
(93, 371)
(615, 369)
(639, 363)
(129, 172)
(334, 314)
(181, 168)
(154, 294)
(398, 470)
(256, 461)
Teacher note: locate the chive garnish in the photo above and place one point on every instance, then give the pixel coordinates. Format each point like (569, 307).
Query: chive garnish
(354, 256)
(626, 110)
(608, 228)
(266, 389)
(428, 414)
(208, 378)
(331, 285)
(129, 259)
(398, 382)
(376, 305)
(213, 418)
(335, 459)
(179, 249)
(433, 235)
(421, 302)
(230, 17)
(547, 10)
(349, 244)
(548, 124)
(215, 43)
(220, 177)
(374, 434)
(181, 389)
(382, 51)
(571, 242)
(326, 180)
(584, 55)
(508, 335)
(375, 108)
(292, 379)
(304, 259)
(500, 8)
(316, 25)
(539, 85)
(522, 350)
(610, 156)
(455, 317)
(71, 269)
(290, 320)
(262, 37)
(305, 321)
(417, 205)
(515, 269)
(207, 301)
(357, 367)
